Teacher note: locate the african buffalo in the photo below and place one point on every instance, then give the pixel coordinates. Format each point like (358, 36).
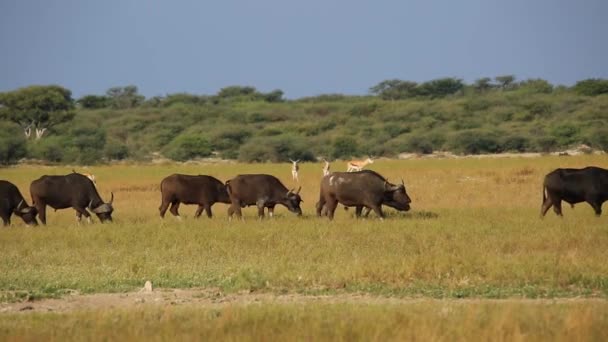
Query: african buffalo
(574, 186)
(201, 190)
(263, 191)
(360, 189)
(12, 202)
(73, 190)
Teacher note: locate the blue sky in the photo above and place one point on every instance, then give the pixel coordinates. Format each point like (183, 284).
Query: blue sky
(304, 48)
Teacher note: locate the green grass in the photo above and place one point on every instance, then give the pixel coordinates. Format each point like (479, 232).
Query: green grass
(473, 231)
(423, 320)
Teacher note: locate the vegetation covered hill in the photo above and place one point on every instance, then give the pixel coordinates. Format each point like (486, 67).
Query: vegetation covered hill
(242, 123)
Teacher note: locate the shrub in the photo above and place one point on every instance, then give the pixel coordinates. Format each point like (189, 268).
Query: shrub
(116, 150)
(12, 144)
(546, 143)
(186, 147)
(275, 149)
(599, 139)
(474, 142)
(345, 147)
(50, 149)
(419, 144)
(591, 87)
(565, 134)
(516, 143)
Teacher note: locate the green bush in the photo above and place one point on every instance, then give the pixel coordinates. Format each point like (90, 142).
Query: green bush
(546, 144)
(116, 150)
(515, 143)
(591, 87)
(599, 139)
(186, 147)
(565, 134)
(49, 149)
(275, 149)
(12, 144)
(474, 142)
(345, 147)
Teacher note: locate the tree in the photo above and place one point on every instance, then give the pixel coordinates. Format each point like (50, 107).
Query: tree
(124, 97)
(93, 101)
(37, 108)
(483, 84)
(440, 87)
(591, 87)
(505, 82)
(536, 86)
(394, 89)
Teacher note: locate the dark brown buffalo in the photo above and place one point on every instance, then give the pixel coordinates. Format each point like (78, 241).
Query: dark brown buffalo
(201, 190)
(360, 189)
(574, 186)
(70, 191)
(263, 191)
(12, 202)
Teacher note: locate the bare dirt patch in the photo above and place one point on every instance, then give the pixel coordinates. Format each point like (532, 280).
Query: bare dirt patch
(214, 298)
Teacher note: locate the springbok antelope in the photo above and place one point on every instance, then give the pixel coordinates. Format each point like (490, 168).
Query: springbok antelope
(358, 165)
(294, 169)
(326, 167)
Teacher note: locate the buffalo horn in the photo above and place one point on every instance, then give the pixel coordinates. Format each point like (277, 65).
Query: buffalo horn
(111, 198)
(19, 205)
(89, 206)
(297, 192)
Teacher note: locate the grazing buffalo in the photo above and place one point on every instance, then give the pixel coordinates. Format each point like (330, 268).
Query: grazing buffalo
(201, 190)
(73, 190)
(574, 186)
(263, 191)
(360, 189)
(12, 202)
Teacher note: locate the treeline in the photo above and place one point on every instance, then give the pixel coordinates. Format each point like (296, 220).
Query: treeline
(239, 122)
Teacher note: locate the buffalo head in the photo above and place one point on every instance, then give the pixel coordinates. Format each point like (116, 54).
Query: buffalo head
(396, 197)
(27, 213)
(292, 201)
(103, 211)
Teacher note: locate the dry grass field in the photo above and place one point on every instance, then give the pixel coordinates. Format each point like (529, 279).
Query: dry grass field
(471, 260)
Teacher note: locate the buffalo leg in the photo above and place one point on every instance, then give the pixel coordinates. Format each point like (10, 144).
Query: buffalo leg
(545, 206)
(597, 207)
(557, 207)
(174, 208)
(320, 206)
(6, 220)
(208, 210)
(358, 210)
(331, 204)
(271, 211)
(261, 206)
(41, 213)
(235, 208)
(80, 212)
(378, 210)
(199, 211)
(163, 208)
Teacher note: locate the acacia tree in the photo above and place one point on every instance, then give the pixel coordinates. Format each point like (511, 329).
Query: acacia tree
(37, 108)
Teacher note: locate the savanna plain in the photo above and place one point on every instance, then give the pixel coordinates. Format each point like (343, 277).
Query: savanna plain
(472, 260)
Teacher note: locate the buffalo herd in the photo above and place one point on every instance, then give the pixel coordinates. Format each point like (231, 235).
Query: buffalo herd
(362, 189)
